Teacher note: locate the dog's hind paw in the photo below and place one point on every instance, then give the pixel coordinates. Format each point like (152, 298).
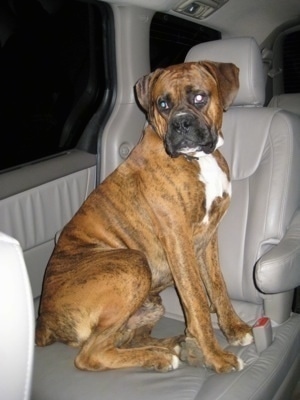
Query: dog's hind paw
(162, 362)
(175, 362)
(240, 364)
(191, 353)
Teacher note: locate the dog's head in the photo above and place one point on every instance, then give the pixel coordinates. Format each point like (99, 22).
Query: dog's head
(185, 104)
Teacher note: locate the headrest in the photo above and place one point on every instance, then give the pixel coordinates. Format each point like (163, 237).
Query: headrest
(245, 54)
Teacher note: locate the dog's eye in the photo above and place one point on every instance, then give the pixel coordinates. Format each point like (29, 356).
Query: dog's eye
(163, 105)
(199, 99)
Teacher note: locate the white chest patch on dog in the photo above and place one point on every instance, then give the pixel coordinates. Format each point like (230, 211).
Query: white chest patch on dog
(215, 181)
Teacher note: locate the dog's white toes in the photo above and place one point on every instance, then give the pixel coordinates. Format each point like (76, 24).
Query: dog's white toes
(177, 349)
(247, 339)
(241, 364)
(175, 362)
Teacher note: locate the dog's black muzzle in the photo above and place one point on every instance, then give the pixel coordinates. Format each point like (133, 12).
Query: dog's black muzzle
(187, 135)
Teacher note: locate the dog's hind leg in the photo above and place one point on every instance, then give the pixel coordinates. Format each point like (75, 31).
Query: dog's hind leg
(100, 354)
(129, 344)
(143, 321)
(113, 305)
(90, 292)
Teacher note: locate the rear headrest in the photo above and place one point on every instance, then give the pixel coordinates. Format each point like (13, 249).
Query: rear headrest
(245, 54)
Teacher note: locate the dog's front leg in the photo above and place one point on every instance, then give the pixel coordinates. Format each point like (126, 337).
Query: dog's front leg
(187, 278)
(236, 331)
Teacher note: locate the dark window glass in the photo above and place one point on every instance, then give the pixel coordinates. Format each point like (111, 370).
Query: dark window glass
(172, 37)
(291, 63)
(51, 76)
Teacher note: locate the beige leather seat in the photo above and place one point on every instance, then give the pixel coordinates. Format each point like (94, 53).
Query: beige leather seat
(287, 101)
(260, 257)
(262, 147)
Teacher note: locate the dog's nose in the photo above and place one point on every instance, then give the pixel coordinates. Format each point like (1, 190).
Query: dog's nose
(182, 123)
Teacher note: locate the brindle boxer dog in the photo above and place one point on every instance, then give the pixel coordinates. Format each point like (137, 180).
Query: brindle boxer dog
(152, 224)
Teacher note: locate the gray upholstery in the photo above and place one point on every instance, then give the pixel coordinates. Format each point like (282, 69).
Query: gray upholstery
(259, 249)
(287, 101)
(35, 213)
(245, 54)
(264, 133)
(17, 323)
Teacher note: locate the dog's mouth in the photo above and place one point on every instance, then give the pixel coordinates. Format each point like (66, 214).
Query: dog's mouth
(191, 150)
(206, 149)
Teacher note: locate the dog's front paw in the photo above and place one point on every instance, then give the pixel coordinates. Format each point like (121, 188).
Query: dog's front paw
(222, 361)
(239, 335)
(243, 340)
(219, 360)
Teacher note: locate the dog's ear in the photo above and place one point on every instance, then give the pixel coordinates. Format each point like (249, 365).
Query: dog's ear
(227, 76)
(143, 88)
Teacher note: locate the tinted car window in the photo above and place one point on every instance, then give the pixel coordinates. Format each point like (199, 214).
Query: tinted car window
(49, 58)
(291, 62)
(172, 37)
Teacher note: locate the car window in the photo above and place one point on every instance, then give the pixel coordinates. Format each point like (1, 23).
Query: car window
(172, 37)
(291, 62)
(52, 76)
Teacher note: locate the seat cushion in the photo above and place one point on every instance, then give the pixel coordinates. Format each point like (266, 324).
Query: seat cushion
(56, 378)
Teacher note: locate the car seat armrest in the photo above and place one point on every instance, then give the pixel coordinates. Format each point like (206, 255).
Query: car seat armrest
(279, 269)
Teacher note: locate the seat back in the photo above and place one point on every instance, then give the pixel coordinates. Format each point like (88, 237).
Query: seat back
(287, 101)
(262, 148)
(17, 323)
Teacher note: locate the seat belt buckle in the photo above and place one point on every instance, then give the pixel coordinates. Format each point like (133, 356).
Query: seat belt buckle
(262, 332)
